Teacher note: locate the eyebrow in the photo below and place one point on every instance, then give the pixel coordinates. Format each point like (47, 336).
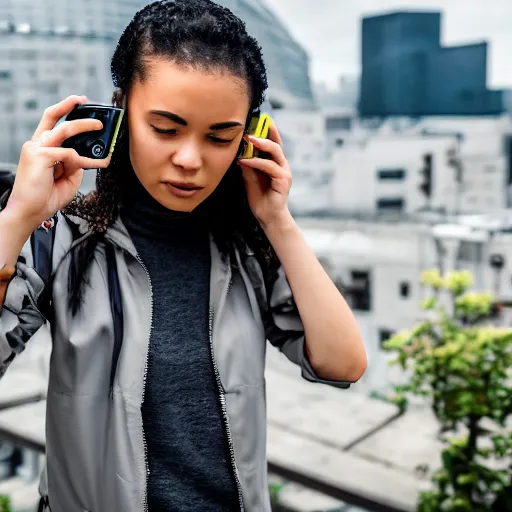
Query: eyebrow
(179, 120)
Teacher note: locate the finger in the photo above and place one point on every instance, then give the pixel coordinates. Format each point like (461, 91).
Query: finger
(69, 158)
(269, 167)
(54, 113)
(273, 133)
(269, 146)
(253, 176)
(67, 129)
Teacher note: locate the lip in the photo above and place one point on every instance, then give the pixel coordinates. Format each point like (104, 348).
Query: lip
(182, 189)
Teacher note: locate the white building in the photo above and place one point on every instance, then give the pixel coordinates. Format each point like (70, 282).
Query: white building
(377, 266)
(367, 168)
(486, 158)
(384, 172)
(307, 149)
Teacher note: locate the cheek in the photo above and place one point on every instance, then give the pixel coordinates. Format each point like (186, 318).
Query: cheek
(220, 162)
(145, 148)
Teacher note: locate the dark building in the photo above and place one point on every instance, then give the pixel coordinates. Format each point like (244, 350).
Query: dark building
(406, 71)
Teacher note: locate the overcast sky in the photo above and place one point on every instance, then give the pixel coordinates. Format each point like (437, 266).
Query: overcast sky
(330, 30)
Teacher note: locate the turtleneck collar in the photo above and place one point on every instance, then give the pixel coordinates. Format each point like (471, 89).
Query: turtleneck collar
(144, 214)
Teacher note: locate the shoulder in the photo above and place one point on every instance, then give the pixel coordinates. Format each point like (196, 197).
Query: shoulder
(60, 233)
(262, 273)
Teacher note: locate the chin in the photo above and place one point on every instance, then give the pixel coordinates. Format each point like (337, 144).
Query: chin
(180, 204)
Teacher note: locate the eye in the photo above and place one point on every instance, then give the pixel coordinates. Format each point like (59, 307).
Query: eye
(219, 141)
(170, 131)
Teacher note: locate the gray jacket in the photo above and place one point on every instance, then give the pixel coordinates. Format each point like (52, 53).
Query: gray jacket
(96, 457)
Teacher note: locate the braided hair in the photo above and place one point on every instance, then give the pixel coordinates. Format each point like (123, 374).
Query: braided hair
(202, 35)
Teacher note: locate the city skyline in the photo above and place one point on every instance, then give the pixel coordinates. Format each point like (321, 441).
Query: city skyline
(331, 34)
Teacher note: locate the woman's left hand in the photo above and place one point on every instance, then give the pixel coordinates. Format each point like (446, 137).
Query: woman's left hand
(267, 180)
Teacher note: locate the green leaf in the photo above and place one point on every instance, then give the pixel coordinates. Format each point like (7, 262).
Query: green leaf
(432, 278)
(458, 282)
(429, 304)
(467, 479)
(460, 504)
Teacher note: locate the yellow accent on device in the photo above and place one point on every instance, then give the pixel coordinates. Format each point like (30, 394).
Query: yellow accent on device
(258, 127)
(116, 132)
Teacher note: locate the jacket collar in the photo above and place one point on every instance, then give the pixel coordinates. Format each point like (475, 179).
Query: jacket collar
(220, 274)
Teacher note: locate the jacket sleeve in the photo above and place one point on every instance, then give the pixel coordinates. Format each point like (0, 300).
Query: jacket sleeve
(285, 331)
(20, 317)
(21, 300)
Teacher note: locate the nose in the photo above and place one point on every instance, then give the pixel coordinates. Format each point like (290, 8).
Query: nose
(187, 155)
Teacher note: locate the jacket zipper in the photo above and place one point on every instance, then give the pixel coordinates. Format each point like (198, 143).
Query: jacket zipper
(145, 498)
(222, 399)
(220, 391)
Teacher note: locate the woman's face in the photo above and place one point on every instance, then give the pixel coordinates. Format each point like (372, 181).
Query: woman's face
(185, 128)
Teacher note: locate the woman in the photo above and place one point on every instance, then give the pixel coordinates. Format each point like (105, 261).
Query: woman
(170, 416)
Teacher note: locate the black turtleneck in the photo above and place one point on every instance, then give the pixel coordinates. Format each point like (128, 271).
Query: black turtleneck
(189, 468)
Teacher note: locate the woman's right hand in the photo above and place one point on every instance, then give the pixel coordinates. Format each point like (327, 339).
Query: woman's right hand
(48, 176)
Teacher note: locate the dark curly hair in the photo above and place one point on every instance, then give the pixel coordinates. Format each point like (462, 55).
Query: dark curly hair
(204, 35)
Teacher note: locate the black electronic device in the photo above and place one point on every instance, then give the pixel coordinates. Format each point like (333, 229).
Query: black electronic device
(98, 144)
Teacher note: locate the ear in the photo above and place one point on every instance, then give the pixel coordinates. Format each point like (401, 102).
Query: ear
(119, 98)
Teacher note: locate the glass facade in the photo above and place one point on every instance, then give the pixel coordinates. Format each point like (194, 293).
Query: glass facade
(406, 71)
(98, 18)
(287, 62)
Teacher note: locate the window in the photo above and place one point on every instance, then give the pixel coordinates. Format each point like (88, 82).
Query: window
(404, 289)
(31, 105)
(470, 252)
(391, 174)
(360, 291)
(384, 335)
(390, 204)
(5, 75)
(338, 123)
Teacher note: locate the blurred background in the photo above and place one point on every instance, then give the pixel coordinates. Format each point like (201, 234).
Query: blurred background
(396, 118)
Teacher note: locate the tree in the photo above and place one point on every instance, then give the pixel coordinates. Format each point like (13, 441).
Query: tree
(461, 363)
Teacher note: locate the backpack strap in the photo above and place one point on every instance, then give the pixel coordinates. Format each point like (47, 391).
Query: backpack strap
(116, 307)
(42, 241)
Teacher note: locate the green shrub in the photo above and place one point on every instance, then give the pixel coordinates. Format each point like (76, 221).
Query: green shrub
(461, 363)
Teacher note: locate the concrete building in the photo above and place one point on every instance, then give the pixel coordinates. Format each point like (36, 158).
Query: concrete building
(384, 175)
(95, 18)
(37, 71)
(50, 49)
(406, 71)
(306, 146)
(344, 165)
(377, 266)
(344, 95)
